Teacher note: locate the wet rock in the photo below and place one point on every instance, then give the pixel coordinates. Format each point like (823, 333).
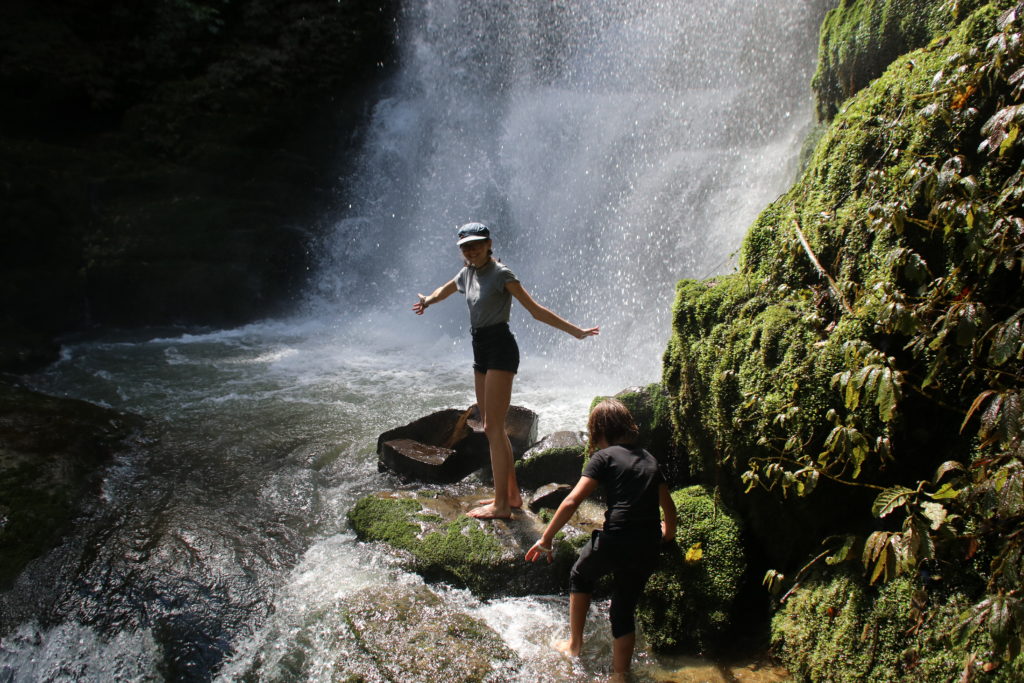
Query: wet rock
(422, 462)
(402, 633)
(53, 453)
(557, 458)
(549, 496)
(413, 636)
(448, 445)
(434, 537)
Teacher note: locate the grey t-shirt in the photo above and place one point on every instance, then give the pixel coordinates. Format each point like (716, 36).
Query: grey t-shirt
(489, 302)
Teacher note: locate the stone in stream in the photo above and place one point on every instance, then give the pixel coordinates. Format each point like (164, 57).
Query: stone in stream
(448, 445)
(433, 537)
(549, 496)
(556, 458)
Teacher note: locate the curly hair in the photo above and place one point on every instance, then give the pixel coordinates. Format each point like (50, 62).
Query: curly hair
(611, 421)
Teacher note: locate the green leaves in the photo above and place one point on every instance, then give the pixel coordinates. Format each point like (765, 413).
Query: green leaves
(877, 379)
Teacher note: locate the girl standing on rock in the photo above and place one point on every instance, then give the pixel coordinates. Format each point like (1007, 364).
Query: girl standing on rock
(489, 287)
(628, 544)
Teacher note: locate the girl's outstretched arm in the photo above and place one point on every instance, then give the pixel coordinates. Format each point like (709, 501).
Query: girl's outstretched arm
(546, 315)
(584, 487)
(439, 294)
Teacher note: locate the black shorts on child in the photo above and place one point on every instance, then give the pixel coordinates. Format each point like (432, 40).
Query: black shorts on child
(495, 348)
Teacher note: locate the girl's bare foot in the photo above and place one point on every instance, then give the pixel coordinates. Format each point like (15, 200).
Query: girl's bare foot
(516, 503)
(490, 512)
(565, 647)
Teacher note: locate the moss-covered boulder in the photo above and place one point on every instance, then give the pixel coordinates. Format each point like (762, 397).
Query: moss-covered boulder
(860, 38)
(555, 459)
(53, 455)
(436, 539)
(689, 602)
(837, 628)
(651, 409)
(858, 379)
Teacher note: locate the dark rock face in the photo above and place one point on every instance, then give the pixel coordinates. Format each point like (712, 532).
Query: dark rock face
(167, 162)
(448, 445)
(53, 453)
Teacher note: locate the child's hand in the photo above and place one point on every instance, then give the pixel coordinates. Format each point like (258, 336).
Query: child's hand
(535, 551)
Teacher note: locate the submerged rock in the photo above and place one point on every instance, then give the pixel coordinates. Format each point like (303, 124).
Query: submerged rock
(413, 635)
(393, 633)
(438, 541)
(448, 445)
(53, 453)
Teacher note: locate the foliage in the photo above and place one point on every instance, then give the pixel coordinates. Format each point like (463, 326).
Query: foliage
(872, 338)
(688, 603)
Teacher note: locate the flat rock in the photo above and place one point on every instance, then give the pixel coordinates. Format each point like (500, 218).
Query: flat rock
(549, 496)
(434, 537)
(422, 462)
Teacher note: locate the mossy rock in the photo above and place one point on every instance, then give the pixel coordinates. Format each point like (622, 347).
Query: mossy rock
(558, 464)
(437, 540)
(651, 409)
(689, 602)
(53, 455)
(860, 38)
(837, 628)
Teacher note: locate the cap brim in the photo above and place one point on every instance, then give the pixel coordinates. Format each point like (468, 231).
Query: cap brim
(471, 238)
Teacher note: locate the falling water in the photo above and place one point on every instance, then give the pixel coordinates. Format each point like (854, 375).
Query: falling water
(614, 147)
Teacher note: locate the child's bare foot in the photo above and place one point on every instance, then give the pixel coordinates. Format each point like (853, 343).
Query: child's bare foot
(490, 512)
(565, 647)
(516, 503)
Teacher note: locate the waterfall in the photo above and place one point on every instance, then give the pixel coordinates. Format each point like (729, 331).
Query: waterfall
(613, 147)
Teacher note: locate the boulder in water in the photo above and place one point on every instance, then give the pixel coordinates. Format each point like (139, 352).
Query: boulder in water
(556, 458)
(448, 445)
(549, 496)
(412, 635)
(437, 540)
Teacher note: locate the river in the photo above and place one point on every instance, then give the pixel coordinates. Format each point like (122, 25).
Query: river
(614, 147)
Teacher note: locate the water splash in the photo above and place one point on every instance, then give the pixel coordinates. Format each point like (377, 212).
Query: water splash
(614, 147)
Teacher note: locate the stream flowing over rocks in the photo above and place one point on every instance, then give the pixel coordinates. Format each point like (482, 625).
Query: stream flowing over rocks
(216, 218)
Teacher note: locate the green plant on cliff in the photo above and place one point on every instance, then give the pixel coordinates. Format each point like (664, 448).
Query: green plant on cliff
(873, 336)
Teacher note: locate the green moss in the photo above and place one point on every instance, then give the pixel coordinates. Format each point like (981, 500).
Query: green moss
(688, 604)
(836, 628)
(860, 38)
(560, 465)
(386, 520)
(866, 234)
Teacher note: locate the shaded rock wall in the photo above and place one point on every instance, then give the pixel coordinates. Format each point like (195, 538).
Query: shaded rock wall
(167, 162)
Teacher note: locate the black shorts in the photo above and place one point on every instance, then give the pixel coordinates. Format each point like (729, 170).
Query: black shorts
(495, 348)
